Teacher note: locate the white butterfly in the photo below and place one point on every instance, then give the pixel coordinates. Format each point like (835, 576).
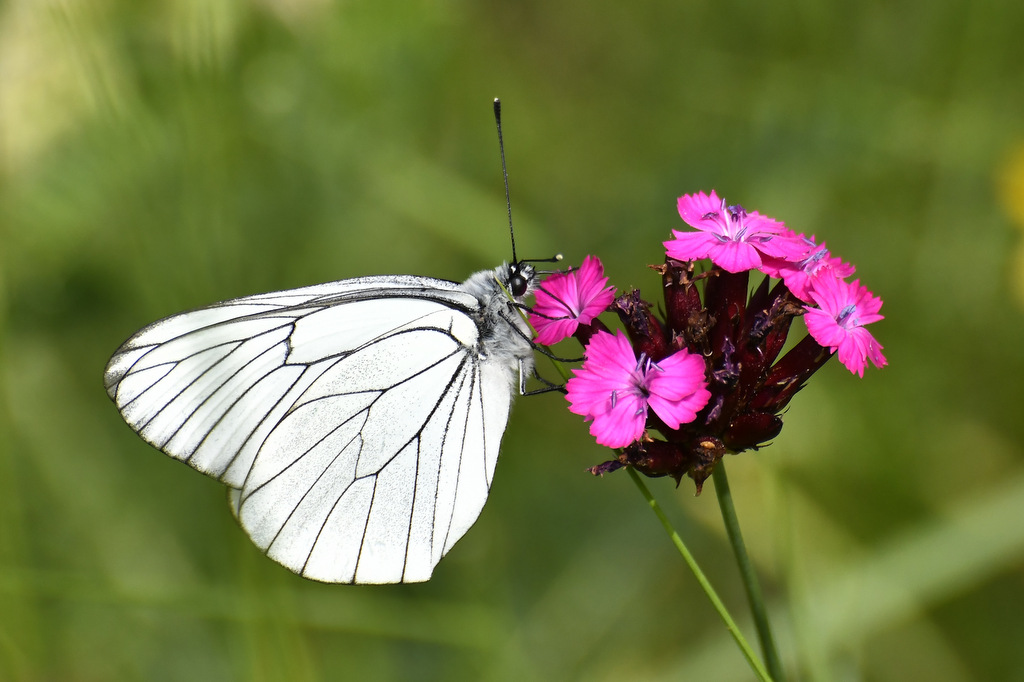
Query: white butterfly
(356, 423)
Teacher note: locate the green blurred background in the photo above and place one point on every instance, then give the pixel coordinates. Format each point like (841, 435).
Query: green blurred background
(160, 156)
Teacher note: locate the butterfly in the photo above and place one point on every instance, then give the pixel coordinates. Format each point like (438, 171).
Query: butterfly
(356, 423)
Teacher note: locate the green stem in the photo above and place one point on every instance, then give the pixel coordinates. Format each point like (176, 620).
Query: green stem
(747, 573)
(730, 625)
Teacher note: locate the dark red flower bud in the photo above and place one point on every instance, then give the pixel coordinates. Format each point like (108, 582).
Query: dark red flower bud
(706, 452)
(789, 374)
(725, 297)
(695, 458)
(751, 430)
(607, 467)
(765, 331)
(645, 331)
(684, 313)
(658, 458)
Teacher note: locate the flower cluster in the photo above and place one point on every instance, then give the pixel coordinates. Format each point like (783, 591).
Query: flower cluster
(707, 375)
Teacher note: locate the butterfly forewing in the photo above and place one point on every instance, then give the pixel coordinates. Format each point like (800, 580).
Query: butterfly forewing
(357, 422)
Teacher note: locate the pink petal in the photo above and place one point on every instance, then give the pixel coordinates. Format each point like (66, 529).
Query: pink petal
(693, 208)
(762, 224)
(608, 367)
(675, 413)
(784, 245)
(620, 425)
(594, 292)
(686, 246)
(568, 299)
(550, 332)
(823, 328)
(678, 389)
(735, 256)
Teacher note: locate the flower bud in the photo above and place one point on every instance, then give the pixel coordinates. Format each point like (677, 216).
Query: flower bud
(645, 331)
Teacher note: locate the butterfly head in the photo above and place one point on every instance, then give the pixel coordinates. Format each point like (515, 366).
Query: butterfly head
(520, 279)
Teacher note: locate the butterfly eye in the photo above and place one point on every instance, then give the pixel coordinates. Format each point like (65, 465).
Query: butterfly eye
(517, 281)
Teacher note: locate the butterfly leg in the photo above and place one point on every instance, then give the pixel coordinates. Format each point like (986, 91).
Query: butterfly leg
(549, 387)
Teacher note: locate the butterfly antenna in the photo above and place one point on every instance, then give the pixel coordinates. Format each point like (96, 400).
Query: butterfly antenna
(504, 173)
(508, 201)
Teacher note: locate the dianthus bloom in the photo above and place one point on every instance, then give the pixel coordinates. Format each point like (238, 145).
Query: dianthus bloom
(707, 376)
(733, 239)
(567, 300)
(838, 321)
(613, 389)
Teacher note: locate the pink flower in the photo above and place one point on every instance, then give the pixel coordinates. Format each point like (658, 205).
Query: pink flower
(567, 300)
(733, 239)
(799, 274)
(838, 321)
(613, 390)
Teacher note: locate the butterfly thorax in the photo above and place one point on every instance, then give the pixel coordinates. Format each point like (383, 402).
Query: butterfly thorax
(504, 334)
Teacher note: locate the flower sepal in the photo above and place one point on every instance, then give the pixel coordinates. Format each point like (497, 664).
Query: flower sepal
(645, 331)
(788, 375)
(684, 313)
(659, 458)
(752, 430)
